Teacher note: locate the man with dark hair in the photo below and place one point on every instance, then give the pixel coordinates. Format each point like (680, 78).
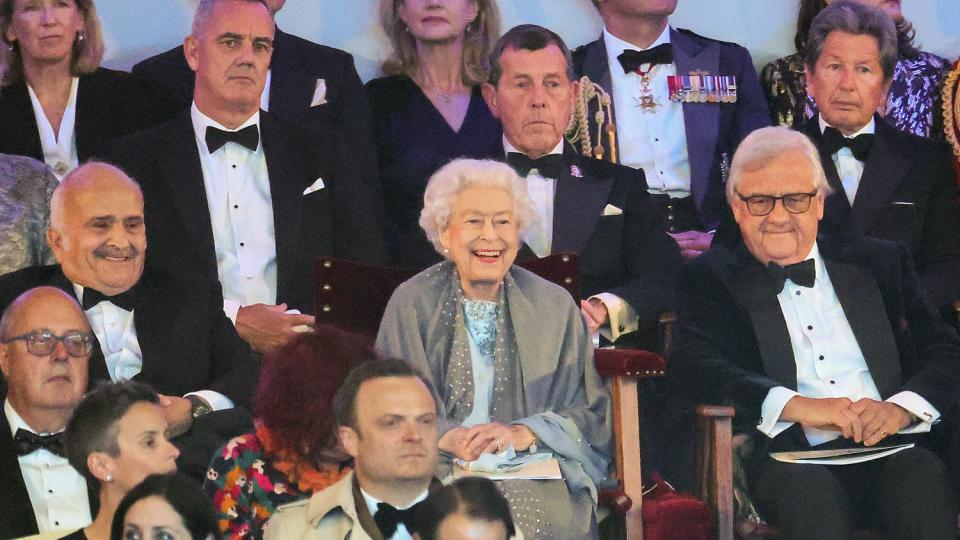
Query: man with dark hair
(233, 192)
(888, 184)
(387, 417)
(820, 345)
(679, 104)
(45, 344)
(599, 210)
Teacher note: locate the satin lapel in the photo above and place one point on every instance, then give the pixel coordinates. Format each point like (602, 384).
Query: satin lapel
(863, 306)
(577, 205)
(883, 172)
(596, 67)
(150, 314)
(96, 365)
(17, 517)
(184, 178)
(538, 365)
(286, 192)
(18, 123)
(836, 210)
(88, 116)
(701, 120)
(291, 86)
(754, 294)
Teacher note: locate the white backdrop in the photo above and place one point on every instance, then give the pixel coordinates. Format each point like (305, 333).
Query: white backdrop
(136, 29)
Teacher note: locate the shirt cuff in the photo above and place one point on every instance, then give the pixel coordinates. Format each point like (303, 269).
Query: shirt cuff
(622, 318)
(230, 309)
(217, 401)
(771, 409)
(925, 413)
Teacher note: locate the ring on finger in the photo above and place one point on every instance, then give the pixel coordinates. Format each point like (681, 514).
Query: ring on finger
(499, 446)
(883, 434)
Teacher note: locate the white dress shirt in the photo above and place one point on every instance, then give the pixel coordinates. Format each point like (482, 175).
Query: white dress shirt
(117, 334)
(60, 153)
(401, 533)
(829, 361)
(241, 213)
(849, 168)
(265, 95)
(58, 493)
(653, 141)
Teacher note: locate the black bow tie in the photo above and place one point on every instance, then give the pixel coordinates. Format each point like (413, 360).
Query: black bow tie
(860, 145)
(631, 60)
(803, 273)
(549, 166)
(387, 518)
(26, 442)
(248, 137)
(92, 297)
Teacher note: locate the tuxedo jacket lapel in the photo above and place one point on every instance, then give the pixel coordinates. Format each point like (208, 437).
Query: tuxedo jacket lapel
(96, 365)
(883, 172)
(578, 204)
(836, 209)
(17, 517)
(862, 303)
(291, 86)
(701, 120)
(286, 191)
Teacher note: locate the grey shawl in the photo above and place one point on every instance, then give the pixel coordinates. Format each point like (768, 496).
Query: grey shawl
(26, 186)
(561, 398)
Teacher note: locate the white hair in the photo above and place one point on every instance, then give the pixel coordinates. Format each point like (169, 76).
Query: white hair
(446, 184)
(765, 145)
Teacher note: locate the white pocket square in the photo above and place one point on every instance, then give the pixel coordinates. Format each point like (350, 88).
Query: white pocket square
(611, 210)
(903, 203)
(319, 93)
(316, 186)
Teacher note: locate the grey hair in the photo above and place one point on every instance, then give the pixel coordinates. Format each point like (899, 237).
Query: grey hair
(858, 19)
(460, 174)
(527, 37)
(765, 145)
(205, 8)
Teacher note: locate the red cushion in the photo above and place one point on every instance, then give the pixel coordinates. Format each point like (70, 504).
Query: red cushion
(669, 514)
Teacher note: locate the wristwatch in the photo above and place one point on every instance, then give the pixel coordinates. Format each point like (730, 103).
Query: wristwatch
(198, 406)
(533, 446)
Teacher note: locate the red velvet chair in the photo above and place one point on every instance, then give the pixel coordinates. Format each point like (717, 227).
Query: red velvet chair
(353, 296)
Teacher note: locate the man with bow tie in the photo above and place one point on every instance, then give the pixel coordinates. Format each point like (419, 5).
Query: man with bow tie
(167, 331)
(237, 194)
(819, 344)
(387, 421)
(887, 184)
(683, 146)
(599, 210)
(45, 344)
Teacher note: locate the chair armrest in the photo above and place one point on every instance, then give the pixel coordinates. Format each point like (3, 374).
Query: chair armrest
(715, 464)
(629, 363)
(616, 500)
(665, 323)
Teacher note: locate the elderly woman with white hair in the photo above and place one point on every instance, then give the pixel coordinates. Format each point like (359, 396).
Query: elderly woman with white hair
(507, 350)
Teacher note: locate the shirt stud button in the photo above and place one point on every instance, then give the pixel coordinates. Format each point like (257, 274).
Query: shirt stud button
(809, 327)
(821, 357)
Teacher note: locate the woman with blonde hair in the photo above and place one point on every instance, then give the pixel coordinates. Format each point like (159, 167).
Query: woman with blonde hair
(429, 109)
(57, 104)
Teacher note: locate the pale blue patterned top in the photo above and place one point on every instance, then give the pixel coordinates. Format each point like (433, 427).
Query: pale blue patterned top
(481, 321)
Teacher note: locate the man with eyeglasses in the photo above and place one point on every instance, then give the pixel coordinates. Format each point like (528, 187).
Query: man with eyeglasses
(169, 332)
(819, 345)
(45, 344)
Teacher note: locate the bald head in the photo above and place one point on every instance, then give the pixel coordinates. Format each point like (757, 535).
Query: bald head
(96, 230)
(43, 389)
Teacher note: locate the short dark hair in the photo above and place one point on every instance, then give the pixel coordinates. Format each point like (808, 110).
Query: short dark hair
(345, 401)
(182, 494)
(474, 496)
(527, 37)
(858, 19)
(93, 427)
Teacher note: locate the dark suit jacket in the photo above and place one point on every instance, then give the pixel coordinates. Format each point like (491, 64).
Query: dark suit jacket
(732, 343)
(110, 104)
(337, 220)
(17, 518)
(713, 130)
(907, 194)
(629, 255)
(187, 342)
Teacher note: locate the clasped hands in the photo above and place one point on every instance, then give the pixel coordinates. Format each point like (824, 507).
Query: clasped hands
(865, 420)
(468, 443)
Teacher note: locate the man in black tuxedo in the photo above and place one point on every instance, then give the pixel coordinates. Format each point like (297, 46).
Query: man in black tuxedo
(46, 344)
(236, 194)
(596, 209)
(887, 184)
(819, 345)
(167, 331)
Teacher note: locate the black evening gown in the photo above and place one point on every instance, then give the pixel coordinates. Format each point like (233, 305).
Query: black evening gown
(413, 141)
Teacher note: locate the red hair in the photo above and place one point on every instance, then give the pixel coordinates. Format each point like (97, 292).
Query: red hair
(297, 383)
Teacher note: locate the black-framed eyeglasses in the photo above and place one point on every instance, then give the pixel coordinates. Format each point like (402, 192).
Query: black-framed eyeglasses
(761, 205)
(43, 342)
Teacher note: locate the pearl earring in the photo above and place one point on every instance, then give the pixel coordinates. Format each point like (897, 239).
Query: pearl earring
(80, 36)
(109, 478)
